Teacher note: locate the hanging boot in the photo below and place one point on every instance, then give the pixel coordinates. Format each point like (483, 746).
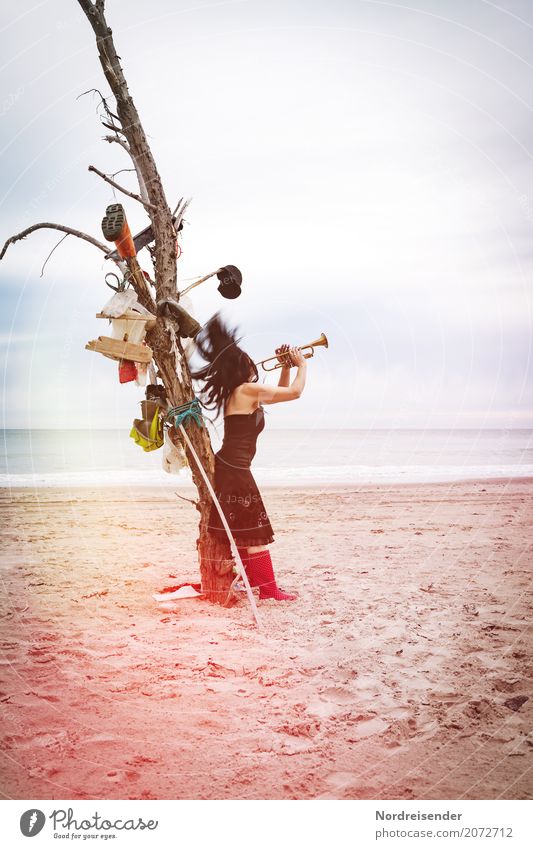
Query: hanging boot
(262, 573)
(115, 229)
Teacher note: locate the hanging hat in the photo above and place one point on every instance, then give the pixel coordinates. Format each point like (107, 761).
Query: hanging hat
(230, 281)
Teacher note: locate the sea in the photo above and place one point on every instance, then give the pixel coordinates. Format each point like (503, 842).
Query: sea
(65, 458)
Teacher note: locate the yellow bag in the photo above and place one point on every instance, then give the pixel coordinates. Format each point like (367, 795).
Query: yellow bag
(148, 436)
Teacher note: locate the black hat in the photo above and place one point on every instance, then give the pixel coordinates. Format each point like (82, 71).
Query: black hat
(230, 281)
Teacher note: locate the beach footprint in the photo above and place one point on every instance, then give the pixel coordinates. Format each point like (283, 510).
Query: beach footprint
(122, 775)
(339, 695)
(341, 785)
(330, 701)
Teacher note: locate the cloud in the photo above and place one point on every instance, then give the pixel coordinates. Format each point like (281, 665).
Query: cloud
(367, 166)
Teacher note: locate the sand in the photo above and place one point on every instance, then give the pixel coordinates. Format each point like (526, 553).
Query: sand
(403, 671)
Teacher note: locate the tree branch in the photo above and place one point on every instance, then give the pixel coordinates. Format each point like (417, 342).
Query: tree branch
(103, 102)
(140, 178)
(167, 347)
(179, 212)
(122, 171)
(61, 227)
(110, 126)
(138, 198)
(62, 239)
(121, 142)
(139, 150)
(111, 116)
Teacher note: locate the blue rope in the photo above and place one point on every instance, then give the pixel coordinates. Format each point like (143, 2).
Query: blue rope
(179, 415)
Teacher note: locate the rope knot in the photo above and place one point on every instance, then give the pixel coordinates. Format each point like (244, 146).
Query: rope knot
(180, 414)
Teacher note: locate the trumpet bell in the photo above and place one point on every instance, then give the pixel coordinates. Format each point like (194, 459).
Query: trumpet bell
(323, 340)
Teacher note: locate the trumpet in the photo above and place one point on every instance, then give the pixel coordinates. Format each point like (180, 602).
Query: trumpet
(312, 345)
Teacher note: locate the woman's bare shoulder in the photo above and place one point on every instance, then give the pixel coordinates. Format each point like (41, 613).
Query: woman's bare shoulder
(239, 394)
(248, 389)
(240, 401)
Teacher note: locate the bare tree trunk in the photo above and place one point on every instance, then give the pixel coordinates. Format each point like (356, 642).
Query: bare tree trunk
(214, 556)
(168, 353)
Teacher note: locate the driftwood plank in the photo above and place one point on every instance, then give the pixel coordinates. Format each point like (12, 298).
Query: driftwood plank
(116, 349)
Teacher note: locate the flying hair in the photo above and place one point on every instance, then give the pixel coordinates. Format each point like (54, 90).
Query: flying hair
(227, 365)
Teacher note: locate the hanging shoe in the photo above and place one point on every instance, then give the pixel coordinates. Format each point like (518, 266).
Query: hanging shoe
(113, 222)
(155, 392)
(187, 325)
(262, 571)
(116, 229)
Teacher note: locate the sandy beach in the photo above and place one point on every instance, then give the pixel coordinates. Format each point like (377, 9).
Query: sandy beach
(404, 670)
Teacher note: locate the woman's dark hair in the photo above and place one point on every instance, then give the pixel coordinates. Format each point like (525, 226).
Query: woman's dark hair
(227, 365)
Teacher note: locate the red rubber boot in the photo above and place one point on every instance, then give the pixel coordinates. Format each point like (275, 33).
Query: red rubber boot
(245, 557)
(262, 572)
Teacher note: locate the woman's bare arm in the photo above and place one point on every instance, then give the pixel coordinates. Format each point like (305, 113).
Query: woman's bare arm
(263, 394)
(285, 376)
(285, 372)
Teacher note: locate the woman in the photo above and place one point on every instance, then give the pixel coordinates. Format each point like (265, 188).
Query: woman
(231, 386)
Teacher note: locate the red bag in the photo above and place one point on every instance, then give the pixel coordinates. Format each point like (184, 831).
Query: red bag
(127, 371)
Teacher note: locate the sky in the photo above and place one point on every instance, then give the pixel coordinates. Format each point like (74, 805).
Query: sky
(368, 165)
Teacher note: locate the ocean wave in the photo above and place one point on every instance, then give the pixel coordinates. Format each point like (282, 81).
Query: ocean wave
(311, 475)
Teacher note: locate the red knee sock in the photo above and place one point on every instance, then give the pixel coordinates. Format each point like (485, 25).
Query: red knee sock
(261, 574)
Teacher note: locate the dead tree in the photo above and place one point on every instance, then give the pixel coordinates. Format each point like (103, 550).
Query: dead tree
(127, 131)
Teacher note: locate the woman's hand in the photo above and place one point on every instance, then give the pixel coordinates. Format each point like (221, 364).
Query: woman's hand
(282, 392)
(297, 357)
(286, 362)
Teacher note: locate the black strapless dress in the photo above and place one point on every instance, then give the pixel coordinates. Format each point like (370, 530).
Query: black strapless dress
(235, 486)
